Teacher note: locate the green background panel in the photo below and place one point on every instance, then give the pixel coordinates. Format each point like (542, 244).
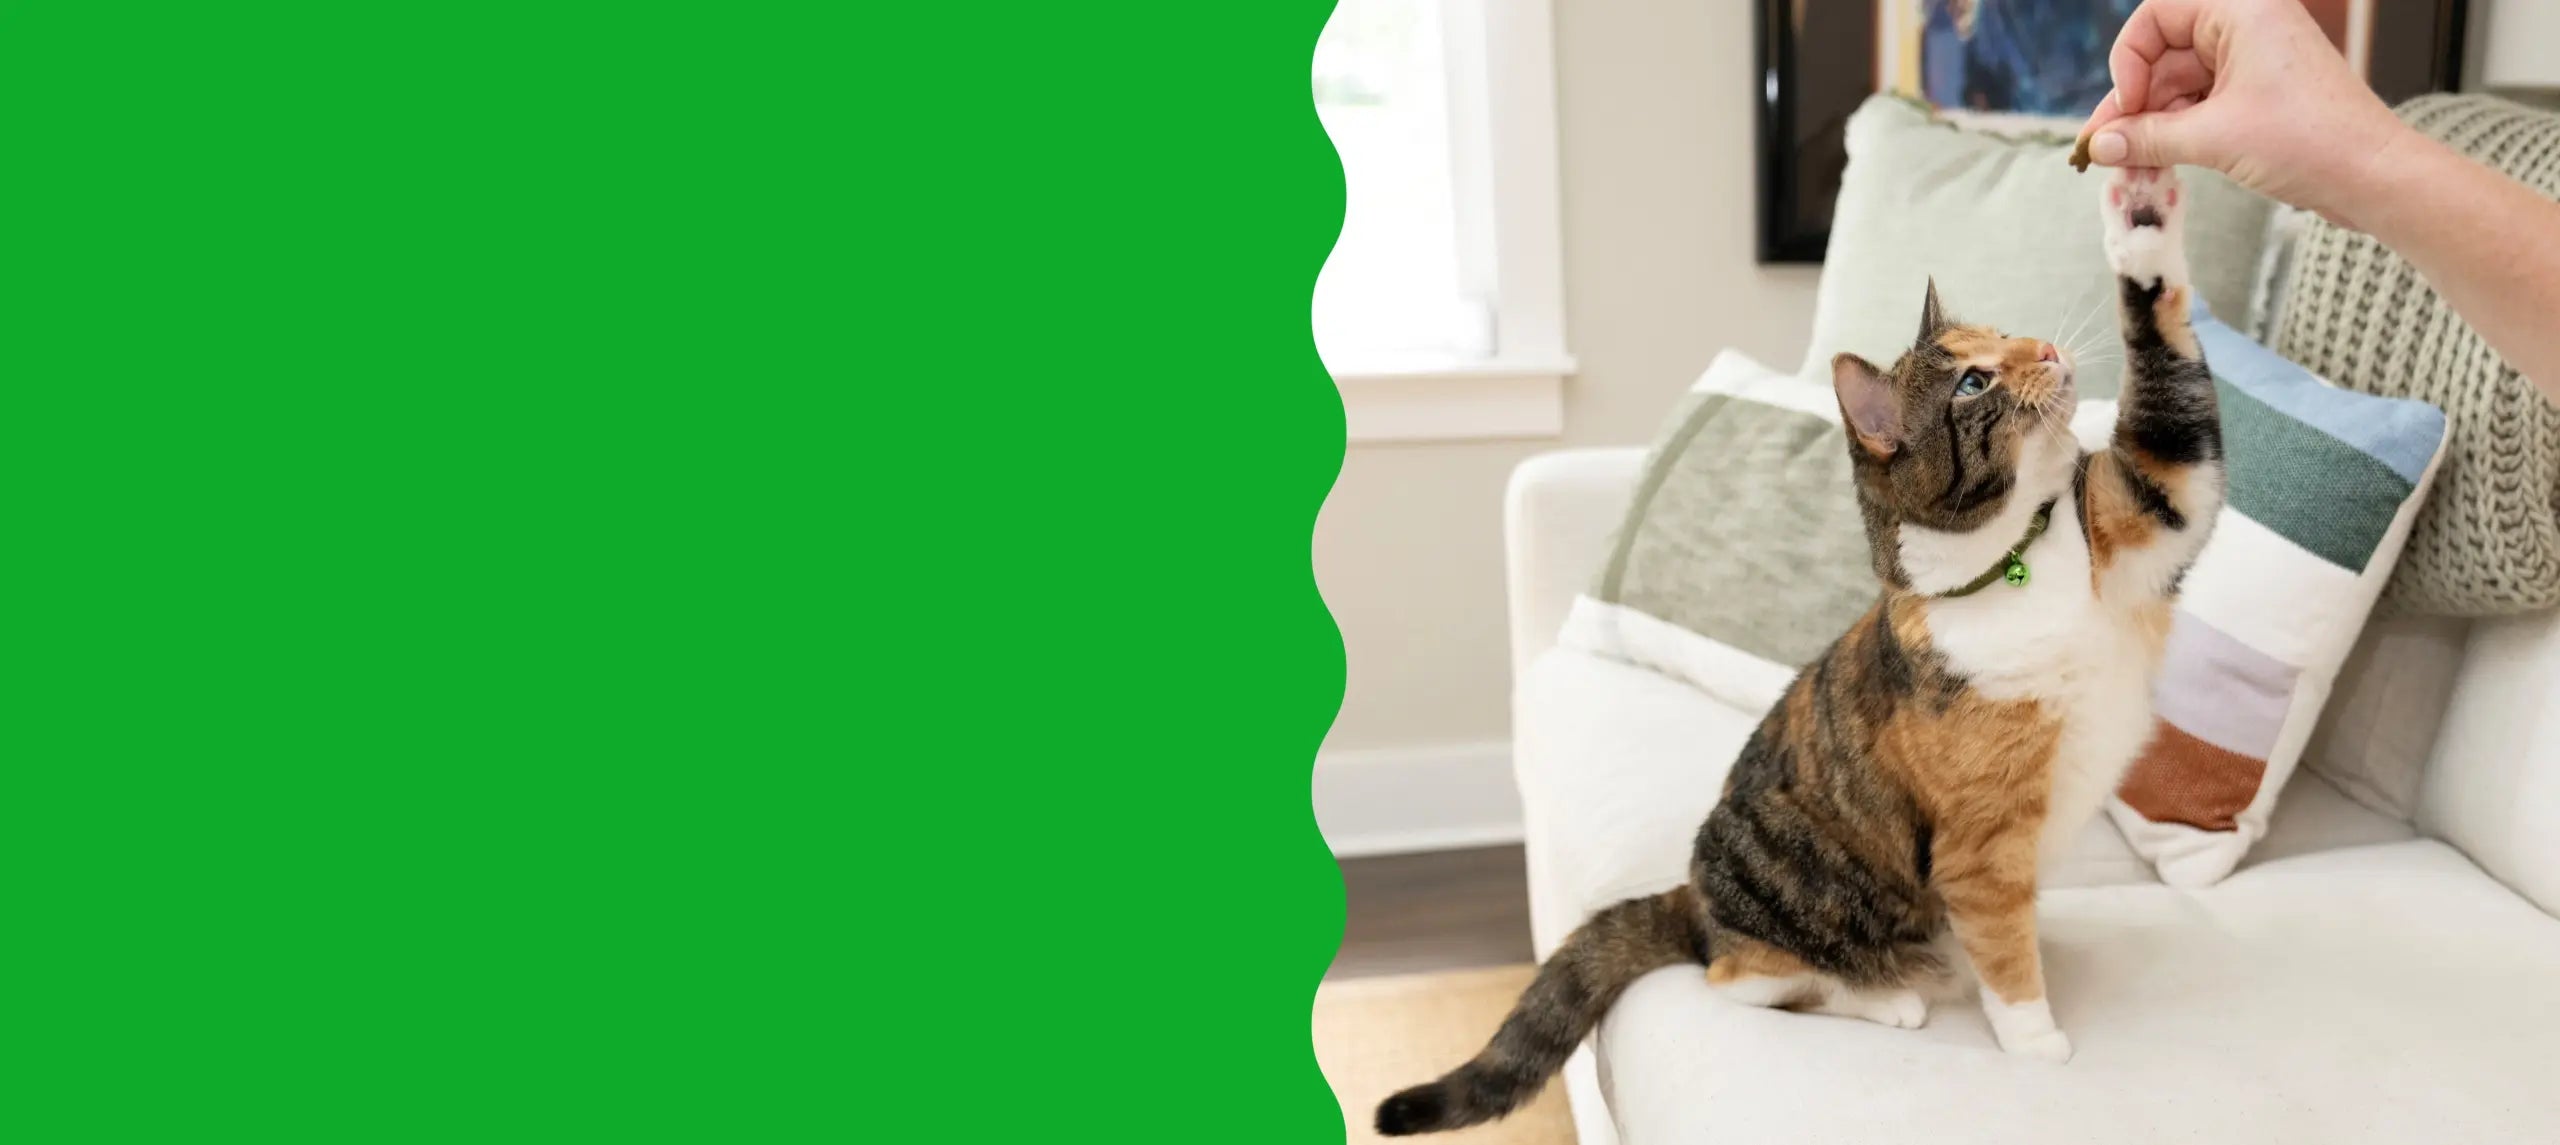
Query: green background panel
(713, 573)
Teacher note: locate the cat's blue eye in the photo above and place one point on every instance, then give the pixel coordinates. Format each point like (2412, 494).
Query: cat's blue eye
(1973, 382)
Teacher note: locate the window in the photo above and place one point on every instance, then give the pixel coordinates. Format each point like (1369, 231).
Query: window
(1394, 288)
(1440, 311)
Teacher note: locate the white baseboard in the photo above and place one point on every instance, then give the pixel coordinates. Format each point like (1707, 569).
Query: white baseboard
(1385, 801)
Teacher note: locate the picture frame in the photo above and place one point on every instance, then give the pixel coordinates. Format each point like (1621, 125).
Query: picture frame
(1819, 59)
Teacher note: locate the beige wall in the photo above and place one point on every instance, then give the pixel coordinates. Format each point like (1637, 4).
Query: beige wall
(1656, 100)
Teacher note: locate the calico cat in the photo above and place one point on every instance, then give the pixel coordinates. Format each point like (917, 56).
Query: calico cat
(1915, 774)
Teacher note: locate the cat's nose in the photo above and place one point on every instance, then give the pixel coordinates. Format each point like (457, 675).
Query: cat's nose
(2048, 352)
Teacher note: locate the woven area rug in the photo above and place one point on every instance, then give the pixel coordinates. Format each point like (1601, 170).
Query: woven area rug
(1375, 1036)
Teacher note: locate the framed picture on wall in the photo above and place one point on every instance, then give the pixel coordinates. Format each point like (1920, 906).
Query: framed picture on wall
(2004, 65)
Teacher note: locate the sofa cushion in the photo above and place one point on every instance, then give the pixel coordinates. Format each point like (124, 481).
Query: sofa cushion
(2375, 994)
(1617, 768)
(2386, 708)
(2316, 816)
(1618, 765)
(2493, 788)
(2009, 232)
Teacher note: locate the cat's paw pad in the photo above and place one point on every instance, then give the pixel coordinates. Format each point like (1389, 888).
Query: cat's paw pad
(1901, 1009)
(2144, 208)
(2144, 196)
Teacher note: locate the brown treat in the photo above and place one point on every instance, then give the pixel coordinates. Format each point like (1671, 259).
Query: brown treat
(2080, 154)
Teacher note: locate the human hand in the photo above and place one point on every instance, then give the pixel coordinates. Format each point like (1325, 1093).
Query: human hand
(2250, 88)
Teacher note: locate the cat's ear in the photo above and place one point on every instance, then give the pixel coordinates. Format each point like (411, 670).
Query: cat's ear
(1933, 318)
(1868, 405)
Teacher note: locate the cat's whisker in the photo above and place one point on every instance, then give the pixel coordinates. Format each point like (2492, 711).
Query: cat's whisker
(2062, 323)
(2050, 424)
(2084, 327)
(2072, 313)
(2099, 327)
(2095, 349)
(2079, 325)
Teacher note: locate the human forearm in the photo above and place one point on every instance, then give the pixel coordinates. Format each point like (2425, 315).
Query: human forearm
(2488, 244)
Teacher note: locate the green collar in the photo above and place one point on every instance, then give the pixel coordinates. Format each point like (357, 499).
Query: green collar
(2013, 567)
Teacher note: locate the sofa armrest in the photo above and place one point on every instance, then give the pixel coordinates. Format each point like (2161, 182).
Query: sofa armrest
(1557, 520)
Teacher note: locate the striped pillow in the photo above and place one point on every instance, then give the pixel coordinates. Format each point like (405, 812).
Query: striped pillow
(2324, 483)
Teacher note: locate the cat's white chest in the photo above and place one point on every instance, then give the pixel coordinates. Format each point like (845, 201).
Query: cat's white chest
(2086, 663)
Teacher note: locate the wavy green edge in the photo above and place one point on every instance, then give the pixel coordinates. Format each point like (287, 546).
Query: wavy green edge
(1328, 906)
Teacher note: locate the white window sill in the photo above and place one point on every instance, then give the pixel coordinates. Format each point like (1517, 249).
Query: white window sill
(1482, 400)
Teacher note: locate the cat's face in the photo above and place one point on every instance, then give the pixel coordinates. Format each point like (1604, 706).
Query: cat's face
(1962, 422)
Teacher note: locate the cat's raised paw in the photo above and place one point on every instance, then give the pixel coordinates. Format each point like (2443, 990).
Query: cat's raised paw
(2144, 209)
(2147, 196)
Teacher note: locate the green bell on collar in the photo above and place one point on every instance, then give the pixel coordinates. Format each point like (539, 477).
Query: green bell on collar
(2012, 567)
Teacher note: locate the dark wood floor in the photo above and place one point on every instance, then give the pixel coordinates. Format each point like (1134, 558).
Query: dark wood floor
(1434, 910)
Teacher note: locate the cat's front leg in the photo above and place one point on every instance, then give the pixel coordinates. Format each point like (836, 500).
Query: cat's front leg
(1989, 884)
(2150, 497)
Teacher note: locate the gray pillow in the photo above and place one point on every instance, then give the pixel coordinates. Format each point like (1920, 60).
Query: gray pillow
(1742, 555)
(1745, 527)
(2010, 232)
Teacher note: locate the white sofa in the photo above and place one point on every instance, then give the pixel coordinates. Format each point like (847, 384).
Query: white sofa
(2360, 978)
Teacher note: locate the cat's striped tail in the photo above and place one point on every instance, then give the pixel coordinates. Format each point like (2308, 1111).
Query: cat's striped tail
(1577, 985)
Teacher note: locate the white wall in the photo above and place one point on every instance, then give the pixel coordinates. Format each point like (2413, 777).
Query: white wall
(2514, 49)
(1656, 101)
